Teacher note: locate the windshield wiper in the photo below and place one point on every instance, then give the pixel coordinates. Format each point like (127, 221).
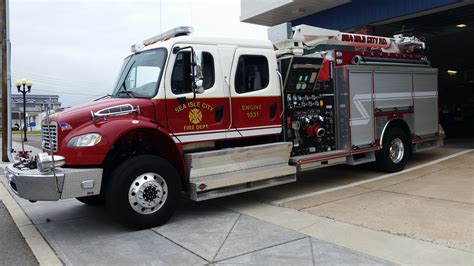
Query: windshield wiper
(102, 97)
(129, 93)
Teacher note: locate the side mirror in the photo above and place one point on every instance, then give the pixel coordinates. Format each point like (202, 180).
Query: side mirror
(198, 77)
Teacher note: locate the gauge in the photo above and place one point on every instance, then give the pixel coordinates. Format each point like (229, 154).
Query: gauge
(303, 86)
(298, 86)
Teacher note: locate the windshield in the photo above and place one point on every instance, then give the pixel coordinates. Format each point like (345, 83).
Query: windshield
(141, 74)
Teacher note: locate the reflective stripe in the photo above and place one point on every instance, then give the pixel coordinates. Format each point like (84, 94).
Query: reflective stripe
(267, 131)
(425, 94)
(233, 133)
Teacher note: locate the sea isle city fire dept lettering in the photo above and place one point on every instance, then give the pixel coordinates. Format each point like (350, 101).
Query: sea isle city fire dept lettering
(195, 114)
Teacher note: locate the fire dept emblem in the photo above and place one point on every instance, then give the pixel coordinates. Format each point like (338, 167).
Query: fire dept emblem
(195, 116)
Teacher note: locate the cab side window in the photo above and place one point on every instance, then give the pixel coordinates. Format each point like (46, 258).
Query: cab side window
(252, 73)
(181, 77)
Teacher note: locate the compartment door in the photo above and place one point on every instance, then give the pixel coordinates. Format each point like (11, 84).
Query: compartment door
(361, 108)
(426, 103)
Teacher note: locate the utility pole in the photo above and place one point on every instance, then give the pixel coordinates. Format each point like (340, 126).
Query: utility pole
(4, 81)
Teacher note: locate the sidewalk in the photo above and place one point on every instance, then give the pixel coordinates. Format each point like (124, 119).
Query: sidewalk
(13, 248)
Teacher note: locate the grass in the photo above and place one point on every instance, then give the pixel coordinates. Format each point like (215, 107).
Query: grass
(29, 133)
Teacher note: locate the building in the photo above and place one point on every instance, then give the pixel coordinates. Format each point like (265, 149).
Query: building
(36, 106)
(447, 26)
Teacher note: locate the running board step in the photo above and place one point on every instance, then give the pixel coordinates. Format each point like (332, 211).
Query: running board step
(214, 186)
(200, 164)
(318, 160)
(357, 159)
(224, 172)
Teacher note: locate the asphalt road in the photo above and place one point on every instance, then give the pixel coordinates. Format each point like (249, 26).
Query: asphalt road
(13, 247)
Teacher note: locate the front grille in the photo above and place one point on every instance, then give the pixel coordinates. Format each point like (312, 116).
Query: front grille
(49, 136)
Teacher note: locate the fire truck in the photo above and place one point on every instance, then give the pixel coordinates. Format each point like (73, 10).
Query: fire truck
(211, 117)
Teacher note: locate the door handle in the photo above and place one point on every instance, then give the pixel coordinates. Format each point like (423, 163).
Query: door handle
(273, 109)
(219, 113)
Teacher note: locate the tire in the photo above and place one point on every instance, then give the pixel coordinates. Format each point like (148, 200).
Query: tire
(395, 151)
(92, 200)
(143, 192)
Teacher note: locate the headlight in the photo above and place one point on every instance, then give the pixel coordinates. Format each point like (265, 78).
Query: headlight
(87, 140)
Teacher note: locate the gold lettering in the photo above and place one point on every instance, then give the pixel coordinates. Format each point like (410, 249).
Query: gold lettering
(252, 115)
(207, 106)
(180, 108)
(195, 127)
(251, 107)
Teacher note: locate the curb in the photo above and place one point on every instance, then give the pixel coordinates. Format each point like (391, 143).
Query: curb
(40, 248)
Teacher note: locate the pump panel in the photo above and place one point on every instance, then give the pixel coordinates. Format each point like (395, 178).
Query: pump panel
(309, 105)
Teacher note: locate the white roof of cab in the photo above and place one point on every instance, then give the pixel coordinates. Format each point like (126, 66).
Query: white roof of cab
(247, 43)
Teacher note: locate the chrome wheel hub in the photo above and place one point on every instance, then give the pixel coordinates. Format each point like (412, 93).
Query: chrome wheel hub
(147, 193)
(397, 150)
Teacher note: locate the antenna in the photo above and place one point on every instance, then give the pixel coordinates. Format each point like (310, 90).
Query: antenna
(161, 16)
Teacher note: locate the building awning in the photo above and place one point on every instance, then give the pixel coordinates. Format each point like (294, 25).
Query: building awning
(271, 13)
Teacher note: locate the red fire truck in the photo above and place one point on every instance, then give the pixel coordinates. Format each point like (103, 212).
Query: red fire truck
(214, 117)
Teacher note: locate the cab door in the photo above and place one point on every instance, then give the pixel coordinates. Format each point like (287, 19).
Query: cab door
(255, 93)
(207, 117)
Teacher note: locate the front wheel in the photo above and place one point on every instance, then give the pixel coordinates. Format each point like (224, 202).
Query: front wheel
(395, 151)
(143, 192)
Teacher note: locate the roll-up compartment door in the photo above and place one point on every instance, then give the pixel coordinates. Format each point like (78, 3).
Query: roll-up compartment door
(362, 112)
(426, 103)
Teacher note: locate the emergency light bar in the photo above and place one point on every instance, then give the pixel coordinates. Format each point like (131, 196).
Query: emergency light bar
(178, 31)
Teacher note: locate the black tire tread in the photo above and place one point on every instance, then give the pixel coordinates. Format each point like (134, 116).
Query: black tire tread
(116, 194)
(383, 161)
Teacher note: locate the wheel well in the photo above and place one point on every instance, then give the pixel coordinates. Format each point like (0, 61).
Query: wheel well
(141, 142)
(397, 123)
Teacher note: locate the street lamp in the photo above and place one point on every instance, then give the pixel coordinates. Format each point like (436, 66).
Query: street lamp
(24, 86)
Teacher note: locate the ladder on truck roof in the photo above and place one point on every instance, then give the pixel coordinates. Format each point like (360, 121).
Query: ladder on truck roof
(289, 39)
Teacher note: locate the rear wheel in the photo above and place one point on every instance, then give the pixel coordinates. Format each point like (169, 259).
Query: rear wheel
(143, 192)
(395, 151)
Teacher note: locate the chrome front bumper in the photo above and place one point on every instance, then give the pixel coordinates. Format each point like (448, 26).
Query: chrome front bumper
(65, 183)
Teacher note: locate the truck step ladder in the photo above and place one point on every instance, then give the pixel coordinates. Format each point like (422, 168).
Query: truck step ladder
(219, 173)
(318, 160)
(361, 158)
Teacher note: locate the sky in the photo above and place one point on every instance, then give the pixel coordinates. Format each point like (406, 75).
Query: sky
(74, 48)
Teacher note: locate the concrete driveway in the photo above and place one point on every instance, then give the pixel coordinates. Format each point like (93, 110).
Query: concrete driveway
(335, 215)
(429, 207)
(198, 234)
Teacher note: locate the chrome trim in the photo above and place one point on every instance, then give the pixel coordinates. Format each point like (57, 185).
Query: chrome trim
(202, 164)
(385, 127)
(396, 150)
(64, 183)
(148, 193)
(49, 136)
(282, 94)
(117, 110)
